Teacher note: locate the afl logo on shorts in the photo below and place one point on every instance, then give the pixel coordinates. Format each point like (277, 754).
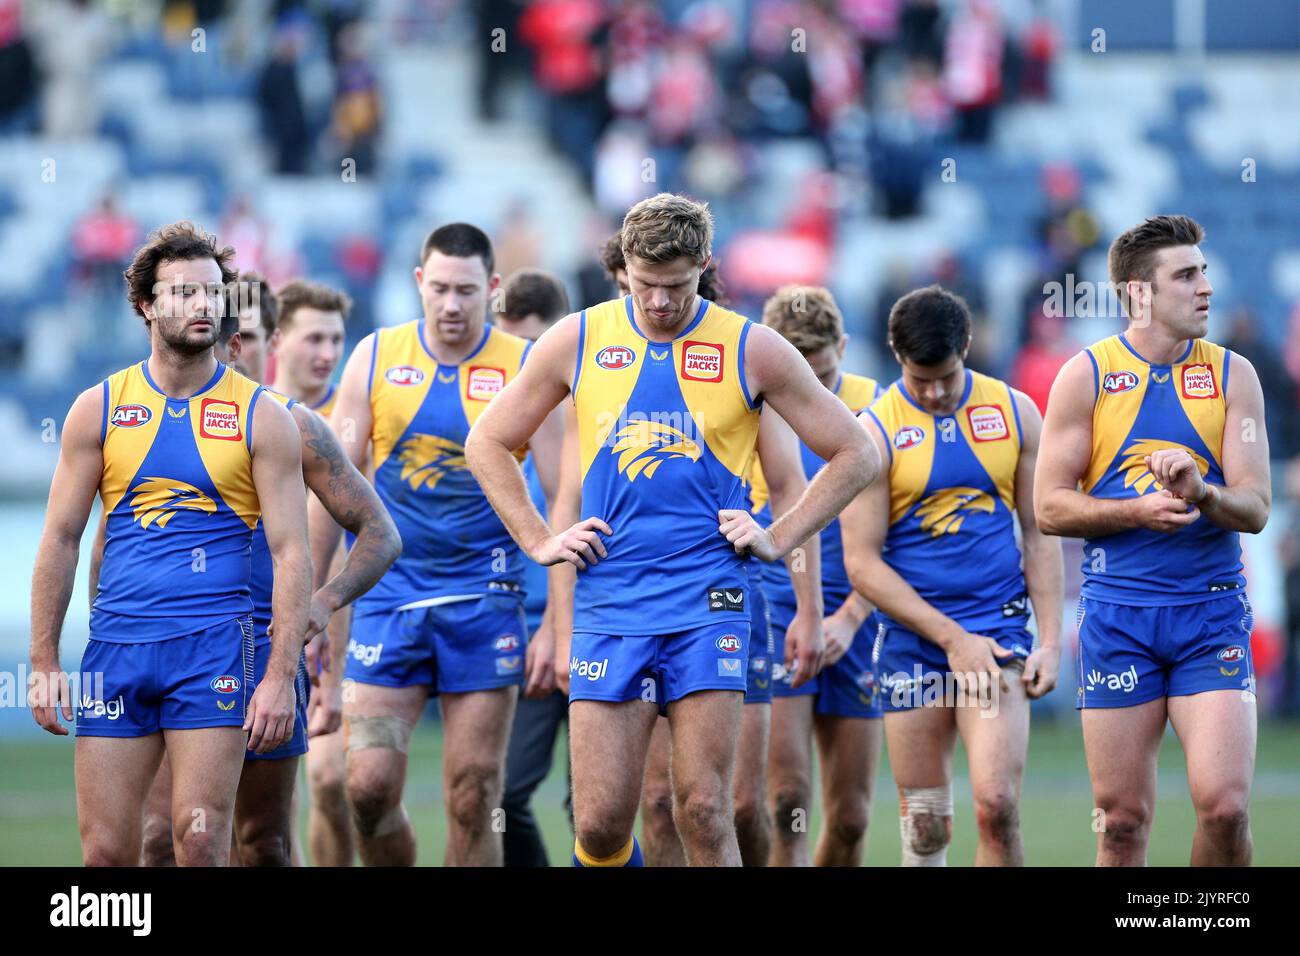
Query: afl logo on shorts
(728, 642)
(1116, 382)
(615, 357)
(505, 643)
(225, 684)
(404, 375)
(909, 436)
(1233, 652)
(130, 416)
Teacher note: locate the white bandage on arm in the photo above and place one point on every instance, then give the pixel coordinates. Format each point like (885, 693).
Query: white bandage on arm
(925, 822)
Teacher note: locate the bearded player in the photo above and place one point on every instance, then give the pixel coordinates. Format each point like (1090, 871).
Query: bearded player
(668, 389)
(1154, 451)
(185, 455)
(934, 547)
(448, 619)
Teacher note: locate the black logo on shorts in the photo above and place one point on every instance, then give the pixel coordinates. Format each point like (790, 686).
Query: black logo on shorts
(1016, 607)
(1224, 586)
(727, 599)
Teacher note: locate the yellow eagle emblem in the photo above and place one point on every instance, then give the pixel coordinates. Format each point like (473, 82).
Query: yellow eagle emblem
(1134, 466)
(941, 513)
(427, 459)
(155, 500)
(643, 446)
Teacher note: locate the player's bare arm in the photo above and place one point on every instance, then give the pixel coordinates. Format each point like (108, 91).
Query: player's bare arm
(1044, 567)
(509, 421)
(72, 494)
(1242, 502)
(277, 478)
(566, 513)
(97, 558)
(351, 501)
(864, 526)
(776, 371)
(778, 454)
(1065, 452)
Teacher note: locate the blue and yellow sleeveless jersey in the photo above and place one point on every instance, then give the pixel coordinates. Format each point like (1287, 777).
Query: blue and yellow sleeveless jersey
(668, 433)
(952, 491)
(178, 491)
(453, 543)
(856, 392)
(1139, 409)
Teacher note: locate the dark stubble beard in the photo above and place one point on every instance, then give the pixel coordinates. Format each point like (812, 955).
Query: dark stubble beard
(186, 345)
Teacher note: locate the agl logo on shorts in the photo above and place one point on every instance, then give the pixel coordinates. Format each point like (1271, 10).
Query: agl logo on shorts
(1125, 680)
(365, 654)
(592, 670)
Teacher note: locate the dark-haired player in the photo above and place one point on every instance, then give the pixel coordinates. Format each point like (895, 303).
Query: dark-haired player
(186, 455)
(934, 548)
(448, 617)
(1154, 451)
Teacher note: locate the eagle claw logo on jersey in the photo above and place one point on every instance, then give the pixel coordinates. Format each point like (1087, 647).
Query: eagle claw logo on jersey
(426, 460)
(156, 500)
(1134, 466)
(941, 512)
(645, 445)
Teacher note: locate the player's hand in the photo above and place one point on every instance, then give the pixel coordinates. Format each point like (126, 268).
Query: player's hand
(1041, 669)
(539, 663)
(317, 653)
(48, 695)
(746, 535)
(325, 709)
(839, 632)
(318, 618)
(270, 714)
(804, 648)
(973, 661)
(1177, 471)
(1164, 511)
(580, 545)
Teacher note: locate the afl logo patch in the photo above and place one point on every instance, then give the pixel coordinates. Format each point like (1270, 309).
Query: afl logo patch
(702, 361)
(130, 416)
(615, 357)
(482, 383)
(987, 423)
(1113, 383)
(225, 684)
(218, 419)
(909, 436)
(728, 642)
(1233, 652)
(1198, 382)
(404, 375)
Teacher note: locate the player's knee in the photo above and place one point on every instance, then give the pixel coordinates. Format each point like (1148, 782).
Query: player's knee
(602, 835)
(199, 846)
(475, 790)
(326, 780)
(997, 816)
(751, 814)
(372, 796)
(790, 806)
(104, 851)
(156, 844)
(930, 833)
(704, 814)
(1225, 817)
(1125, 825)
(925, 824)
(263, 844)
(847, 821)
(657, 807)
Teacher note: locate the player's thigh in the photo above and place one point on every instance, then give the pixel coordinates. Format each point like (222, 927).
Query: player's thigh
(1121, 744)
(206, 763)
(751, 753)
(377, 725)
(608, 743)
(113, 776)
(789, 754)
(848, 750)
(658, 761)
(996, 737)
(1218, 731)
(476, 726)
(706, 729)
(921, 742)
(158, 802)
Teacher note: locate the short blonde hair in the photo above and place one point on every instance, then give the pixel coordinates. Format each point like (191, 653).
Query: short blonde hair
(806, 316)
(666, 227)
